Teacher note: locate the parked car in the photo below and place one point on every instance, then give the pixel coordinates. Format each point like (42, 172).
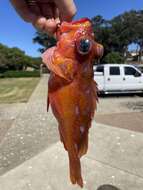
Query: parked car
(118, 78)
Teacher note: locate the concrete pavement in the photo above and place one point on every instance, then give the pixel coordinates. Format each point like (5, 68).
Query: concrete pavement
(132, 121)
(32, 158)
(32, 132)
(110, 160)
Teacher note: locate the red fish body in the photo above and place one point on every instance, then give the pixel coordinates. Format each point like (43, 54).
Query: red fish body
(71, 88)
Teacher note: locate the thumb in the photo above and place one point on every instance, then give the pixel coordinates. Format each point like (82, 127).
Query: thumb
(67, 9)
(23, 10)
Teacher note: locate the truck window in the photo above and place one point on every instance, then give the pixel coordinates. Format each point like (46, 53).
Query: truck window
(129, 71)
(100, 69)
(114, 71)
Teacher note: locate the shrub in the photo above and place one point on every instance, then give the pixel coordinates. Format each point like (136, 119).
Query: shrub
(20, 74)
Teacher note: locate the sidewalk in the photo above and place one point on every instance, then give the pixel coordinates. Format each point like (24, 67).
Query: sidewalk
(115, 156)
(33, 131)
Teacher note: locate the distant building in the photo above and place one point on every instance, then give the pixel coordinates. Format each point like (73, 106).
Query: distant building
(43, 69)
(30, 69)
(133, 56)
(134, 53)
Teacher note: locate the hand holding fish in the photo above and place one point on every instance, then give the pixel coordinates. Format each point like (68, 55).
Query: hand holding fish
(72, 92)
(45, 14)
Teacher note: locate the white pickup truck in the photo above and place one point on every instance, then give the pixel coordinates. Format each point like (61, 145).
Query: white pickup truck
(118, 78)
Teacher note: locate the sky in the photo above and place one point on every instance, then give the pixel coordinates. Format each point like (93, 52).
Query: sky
(14, 32)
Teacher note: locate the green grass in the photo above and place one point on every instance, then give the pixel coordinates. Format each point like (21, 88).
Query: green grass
(15, 90)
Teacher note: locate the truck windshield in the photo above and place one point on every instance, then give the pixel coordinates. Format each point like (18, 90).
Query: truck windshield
(130, 71)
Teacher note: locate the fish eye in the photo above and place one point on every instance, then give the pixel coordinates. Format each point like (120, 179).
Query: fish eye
(84, 46)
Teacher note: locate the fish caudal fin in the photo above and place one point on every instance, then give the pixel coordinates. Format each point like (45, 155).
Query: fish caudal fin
(75, 167)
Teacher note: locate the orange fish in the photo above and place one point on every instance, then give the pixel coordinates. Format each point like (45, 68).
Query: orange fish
(72, 92)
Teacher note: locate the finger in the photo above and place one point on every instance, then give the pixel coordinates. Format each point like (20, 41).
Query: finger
(66, 8)
(56, 13)
(49, 10)
(24, 11)
(46, 25)
(40, 23)
(50, 26)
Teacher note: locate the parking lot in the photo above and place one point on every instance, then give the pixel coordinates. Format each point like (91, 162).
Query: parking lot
(121, 111)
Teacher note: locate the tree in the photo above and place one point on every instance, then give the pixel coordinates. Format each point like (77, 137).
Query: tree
(98, 21)
(126, 26)
(113, 57)
(139, 32)
(16, 59)
(3, 58)
(102, 31)
(117, 33)
(45, 40)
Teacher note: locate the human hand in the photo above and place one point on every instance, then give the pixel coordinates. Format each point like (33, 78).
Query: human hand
(45, 14)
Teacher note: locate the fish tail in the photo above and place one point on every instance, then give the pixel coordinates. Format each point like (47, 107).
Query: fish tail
(75, 166)
(83, 146)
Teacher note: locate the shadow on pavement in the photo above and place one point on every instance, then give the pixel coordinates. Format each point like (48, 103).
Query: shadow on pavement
(108, 187)
(119, 95)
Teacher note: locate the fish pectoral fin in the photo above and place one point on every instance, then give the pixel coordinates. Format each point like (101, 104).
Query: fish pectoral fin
(58, 64)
